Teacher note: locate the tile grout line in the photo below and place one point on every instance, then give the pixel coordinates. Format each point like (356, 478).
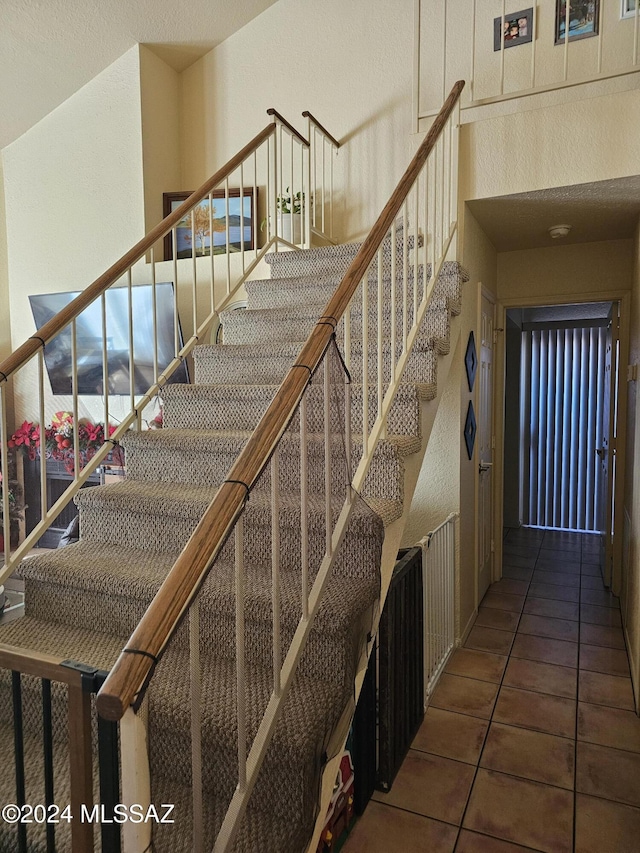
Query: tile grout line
(477, 767)
(575, 748)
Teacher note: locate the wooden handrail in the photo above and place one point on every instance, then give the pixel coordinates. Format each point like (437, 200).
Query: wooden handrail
(289, 126)
(189, 572)
(307, 114)
(54, 326)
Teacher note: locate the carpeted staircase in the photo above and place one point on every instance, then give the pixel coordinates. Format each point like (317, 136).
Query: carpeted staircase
(83, 601)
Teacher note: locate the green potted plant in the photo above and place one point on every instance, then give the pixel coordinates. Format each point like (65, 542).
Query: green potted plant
(289, 213)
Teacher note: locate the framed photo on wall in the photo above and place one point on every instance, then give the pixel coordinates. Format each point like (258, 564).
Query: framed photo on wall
(517, 29)
(584, 19)
(233, 220)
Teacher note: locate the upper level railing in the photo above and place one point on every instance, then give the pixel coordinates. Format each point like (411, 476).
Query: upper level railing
(109, 349)
(390, 281)
(507, 54)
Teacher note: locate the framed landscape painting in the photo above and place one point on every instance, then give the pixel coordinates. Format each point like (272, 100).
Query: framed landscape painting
(230, 224)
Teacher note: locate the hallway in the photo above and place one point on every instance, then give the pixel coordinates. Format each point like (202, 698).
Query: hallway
(530, 741)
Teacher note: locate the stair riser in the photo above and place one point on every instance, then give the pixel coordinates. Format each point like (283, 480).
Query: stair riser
(281, 789)
(282, 293)
(285, 293)
(210, 465)
(110, 614)
(227, 408)
(214, 367)
(165, 533)
(254, 327)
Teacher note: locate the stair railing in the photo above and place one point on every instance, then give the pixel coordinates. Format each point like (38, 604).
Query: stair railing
(37, 813)
(320, 180)
(205, 273)
(392, 277)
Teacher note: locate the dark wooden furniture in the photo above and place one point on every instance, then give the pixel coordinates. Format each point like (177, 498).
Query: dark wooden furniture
(58, 478)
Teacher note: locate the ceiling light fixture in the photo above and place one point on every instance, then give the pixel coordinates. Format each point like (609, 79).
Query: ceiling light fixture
(558, 231)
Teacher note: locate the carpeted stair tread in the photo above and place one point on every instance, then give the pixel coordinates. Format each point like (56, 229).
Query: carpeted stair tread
(103, 570)
(65, 641)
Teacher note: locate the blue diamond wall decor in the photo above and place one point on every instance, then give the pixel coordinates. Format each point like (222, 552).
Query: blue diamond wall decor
(470, 430)
(471, 361)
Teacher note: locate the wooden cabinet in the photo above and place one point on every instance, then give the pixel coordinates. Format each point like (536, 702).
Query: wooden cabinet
(58, 478)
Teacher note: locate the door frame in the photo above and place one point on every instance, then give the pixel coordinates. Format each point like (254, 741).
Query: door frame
(491, 297)
(624, 298)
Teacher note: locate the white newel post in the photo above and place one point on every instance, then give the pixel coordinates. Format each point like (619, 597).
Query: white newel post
(136, 780)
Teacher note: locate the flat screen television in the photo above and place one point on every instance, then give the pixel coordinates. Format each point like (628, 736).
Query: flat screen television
(57, 353)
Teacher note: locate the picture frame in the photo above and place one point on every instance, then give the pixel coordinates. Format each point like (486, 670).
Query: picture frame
(221, 239)
(584, 19)
(518, 29)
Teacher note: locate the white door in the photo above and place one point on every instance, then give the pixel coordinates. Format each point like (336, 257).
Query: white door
(485, 447)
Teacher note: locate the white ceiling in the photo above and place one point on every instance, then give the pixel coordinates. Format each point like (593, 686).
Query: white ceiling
(603, 210)
(50, 48)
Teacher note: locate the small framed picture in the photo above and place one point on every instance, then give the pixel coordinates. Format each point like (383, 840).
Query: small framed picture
(517, 29)
(229, 224)
(584, 18)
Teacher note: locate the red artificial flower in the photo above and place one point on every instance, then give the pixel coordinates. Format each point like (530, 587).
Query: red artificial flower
(22, 436)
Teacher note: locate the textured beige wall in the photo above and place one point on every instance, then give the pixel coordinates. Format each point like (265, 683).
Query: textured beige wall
(350, 64)
(73, 186)
(630, 592)
(160, 115)
(5, 314)
(578, 268)
(437, 490)
(74, 200)
(573, 143)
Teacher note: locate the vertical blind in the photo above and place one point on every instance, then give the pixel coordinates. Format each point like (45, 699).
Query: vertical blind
(563, 371)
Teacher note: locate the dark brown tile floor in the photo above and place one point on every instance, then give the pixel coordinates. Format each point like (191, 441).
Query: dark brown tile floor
(530, 741)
